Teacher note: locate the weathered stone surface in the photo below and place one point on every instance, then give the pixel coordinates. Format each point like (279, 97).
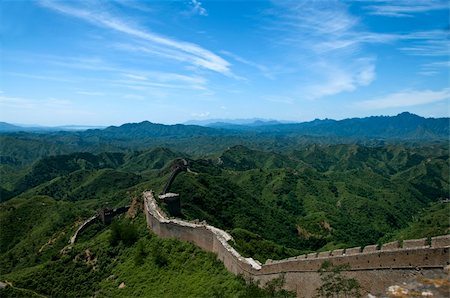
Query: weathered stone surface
(390, 246)
(337, 252)
(370, 248)
(312, 255)
(440, 241)
(352, 251)
(323, 254)
(415, 243)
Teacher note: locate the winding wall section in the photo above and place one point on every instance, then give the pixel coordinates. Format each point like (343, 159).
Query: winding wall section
(375, 268)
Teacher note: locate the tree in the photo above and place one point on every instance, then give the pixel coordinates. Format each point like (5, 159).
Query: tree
(336, 285)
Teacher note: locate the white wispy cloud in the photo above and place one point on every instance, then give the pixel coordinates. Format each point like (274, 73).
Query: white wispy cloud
(134, 96)
(91, 93)
(406, 98)
(431, 43)
(169, 47)
(429, 47)
(116, 73)
(135, 4)
(405, 8)
(16, 102)
(39, 77)
(136, 77)
(264, 70)
(331, 42)
(445, 65)
(316, 25)
(198, 8)
(201, 114)
(328, 26)
(164, 80)
(339, 79)
(27, 103)
(327, 36)
(37, 110)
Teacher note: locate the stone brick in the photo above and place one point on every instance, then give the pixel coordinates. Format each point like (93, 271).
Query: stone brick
(323, 254)
(337, 252)
(415, 243)
(390, 245)
(353, 251)
(440, 241)
(312, 255)
(370, 248)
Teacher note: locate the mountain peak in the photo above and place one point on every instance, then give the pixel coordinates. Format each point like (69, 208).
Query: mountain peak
(408, 115)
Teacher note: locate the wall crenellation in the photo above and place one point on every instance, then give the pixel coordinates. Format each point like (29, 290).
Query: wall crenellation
(436, 242)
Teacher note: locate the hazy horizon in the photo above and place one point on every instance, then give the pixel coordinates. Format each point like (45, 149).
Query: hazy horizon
(197, 121)
(114, 62)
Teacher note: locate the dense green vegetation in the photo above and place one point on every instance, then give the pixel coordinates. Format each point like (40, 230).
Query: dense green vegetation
(334, 284)
(146, 265)
(18, 150)
(318, 197)
(279, 194)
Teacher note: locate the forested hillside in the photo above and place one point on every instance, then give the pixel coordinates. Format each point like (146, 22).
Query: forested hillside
(279, 195)
(318, 197)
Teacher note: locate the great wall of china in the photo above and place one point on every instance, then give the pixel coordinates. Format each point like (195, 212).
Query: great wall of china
(374, 267)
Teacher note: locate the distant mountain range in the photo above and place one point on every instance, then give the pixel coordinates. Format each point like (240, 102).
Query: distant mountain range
(8, 127)
(403, 126)
(226, 122)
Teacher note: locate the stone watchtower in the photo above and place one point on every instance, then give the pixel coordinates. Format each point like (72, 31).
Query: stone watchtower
(106, 215)
(173, 203)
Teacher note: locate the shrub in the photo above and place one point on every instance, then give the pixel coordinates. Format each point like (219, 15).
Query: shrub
(123, 231)
(336, 285)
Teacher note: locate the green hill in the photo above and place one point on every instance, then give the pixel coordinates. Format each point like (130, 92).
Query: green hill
(276, 204)
(321, 197)
(146, 265)
(89, 184)
(145, 161)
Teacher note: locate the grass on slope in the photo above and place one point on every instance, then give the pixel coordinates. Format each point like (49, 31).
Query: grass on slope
(430, 222)
(148, 267)
(33, 229)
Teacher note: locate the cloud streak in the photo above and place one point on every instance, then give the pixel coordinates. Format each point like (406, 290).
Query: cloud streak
(25, 103)
(334, 43)
(171, 48)
(328, 37)
(402, 8)
(406, 98)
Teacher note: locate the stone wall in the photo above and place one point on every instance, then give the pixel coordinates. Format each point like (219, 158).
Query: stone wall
(105, 218)
(83, 226)
(374, 267)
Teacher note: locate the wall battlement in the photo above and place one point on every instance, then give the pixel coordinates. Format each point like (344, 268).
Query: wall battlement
(373, 266)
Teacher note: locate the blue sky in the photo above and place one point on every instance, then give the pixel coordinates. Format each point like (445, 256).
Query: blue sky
(111, 62)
